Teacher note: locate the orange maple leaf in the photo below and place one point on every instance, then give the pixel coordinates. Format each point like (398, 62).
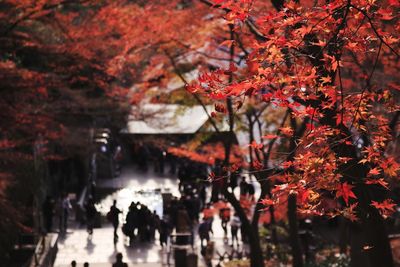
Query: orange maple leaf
(326, 80)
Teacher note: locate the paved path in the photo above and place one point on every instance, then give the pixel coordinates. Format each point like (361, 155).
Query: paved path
(100, 251)
(130, 186)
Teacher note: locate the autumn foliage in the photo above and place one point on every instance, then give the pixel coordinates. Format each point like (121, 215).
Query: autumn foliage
(326, 70)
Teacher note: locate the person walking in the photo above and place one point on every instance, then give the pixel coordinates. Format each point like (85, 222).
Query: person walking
(48, 213)
(204, 233)
(165, 231)
(90, 215)
(65, 208)
(235, 225)
(225, 216)
(208, 215)
(131, 222)
(119, 262)
(113, 217)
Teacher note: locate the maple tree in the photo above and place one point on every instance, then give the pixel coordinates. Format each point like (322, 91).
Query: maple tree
(49, 92)
(333, 64)
(328, 67)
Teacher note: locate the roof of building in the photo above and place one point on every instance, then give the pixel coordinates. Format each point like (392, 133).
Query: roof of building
(166, 119)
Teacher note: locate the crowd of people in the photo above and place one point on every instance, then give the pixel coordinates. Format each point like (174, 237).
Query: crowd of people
(185, 218)
(141, 223)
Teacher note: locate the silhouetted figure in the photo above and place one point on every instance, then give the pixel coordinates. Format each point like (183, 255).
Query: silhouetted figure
(131, 221)
(141, 223)
(165, 231)
(233, 179)
(86, 264)
(48, 212)
(113, 217)
(243, 186)
(119, 262)
(204, 233)
(235, 225)
(65, 208)
(90, 215)
(251, 191)
(225, 215)
(208, 216)
(73, 263)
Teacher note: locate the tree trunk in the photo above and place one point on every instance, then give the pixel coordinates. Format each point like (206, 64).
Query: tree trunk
(294, 231)
(357, 241)
(256, 257)
(343, 235)
(370, 246)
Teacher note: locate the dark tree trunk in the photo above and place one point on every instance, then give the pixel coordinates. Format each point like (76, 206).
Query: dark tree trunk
(370, 246)
(294, 231)
(256, 257)
(370, 230)
(380, 253)
(343, 235)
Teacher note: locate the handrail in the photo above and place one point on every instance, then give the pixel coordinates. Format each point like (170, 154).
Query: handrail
(40, 248)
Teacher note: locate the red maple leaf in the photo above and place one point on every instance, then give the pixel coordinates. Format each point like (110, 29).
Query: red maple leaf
(344, 191)
(386, 207)
(374, 171)
(381, 182)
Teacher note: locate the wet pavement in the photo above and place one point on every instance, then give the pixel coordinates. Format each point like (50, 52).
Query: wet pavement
(100, 250)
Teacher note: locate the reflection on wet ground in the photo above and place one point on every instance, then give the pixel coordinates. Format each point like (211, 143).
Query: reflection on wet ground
(100, 249)
(147, 188)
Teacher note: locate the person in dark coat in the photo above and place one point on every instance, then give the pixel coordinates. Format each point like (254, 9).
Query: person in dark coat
(204, 233)
(48, 213)
(165, 231)
(114, 218)
(90, 215)
(131, 221)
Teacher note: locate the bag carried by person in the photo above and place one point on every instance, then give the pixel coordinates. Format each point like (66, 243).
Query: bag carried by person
(125, 229)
